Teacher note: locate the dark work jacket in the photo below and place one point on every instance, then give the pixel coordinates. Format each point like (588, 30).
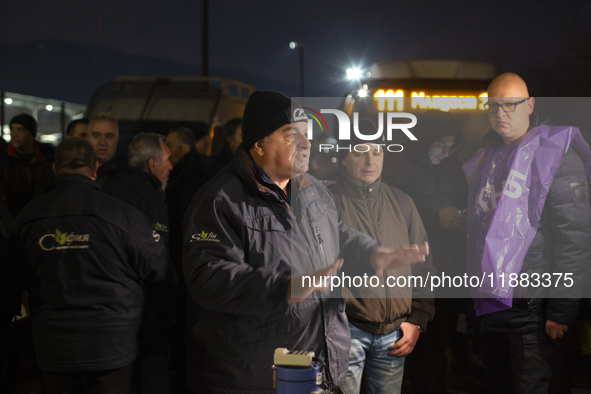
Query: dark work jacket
(10, 294)
(242, 242)
(91, 261)
(186, 177)
(143, 191)
(23, 179)
(373, 209)
(112, 171)
(561, 244)
(216, 162)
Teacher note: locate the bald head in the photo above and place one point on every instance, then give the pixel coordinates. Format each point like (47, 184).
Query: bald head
(511, 106)
(508, 85)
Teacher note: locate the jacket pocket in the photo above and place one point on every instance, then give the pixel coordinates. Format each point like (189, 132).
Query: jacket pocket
(296, 317)
(315, 210)
(264, 223)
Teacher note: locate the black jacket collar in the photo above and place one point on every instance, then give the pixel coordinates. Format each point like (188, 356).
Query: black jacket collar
(114, 164)
(149, 179)
(70, 179)
(244, 166)
(357, 189)
(184, 162)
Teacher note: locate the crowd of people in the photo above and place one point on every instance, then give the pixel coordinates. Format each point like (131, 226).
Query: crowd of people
(169, 271)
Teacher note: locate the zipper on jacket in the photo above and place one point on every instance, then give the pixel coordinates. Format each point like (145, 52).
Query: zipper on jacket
(388, 302)
(320, 301)
(320, 244)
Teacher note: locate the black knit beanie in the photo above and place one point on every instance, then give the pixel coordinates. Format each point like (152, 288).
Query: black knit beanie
(265, 112)
(27, 121)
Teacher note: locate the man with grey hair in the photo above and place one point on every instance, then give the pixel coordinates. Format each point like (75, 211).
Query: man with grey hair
(103, 134)
(143, 187)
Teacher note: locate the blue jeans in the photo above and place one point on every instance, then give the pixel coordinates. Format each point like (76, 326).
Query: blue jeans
(369, 356)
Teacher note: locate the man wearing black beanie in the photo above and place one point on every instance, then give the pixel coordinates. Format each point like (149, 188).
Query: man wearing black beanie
(249, 236)
(25, 164)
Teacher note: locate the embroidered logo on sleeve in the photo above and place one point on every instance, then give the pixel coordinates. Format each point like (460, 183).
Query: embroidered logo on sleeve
(162, 228)
(211, 237)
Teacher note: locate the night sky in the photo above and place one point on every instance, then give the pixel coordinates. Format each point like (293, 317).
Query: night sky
(252, 37)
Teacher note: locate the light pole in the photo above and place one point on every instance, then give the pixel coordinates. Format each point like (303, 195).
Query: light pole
(300, 47)
(204, 39)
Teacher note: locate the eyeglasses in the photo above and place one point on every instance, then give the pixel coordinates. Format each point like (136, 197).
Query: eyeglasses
(507, 107)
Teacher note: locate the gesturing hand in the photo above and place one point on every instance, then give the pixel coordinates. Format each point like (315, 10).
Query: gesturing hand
(297, 291)
(385, 258)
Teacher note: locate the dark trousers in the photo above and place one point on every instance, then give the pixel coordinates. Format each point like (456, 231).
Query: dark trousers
(517, 363)
(113, 381)
(426, 367)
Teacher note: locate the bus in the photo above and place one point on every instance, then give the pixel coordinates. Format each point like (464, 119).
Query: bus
(158, 104)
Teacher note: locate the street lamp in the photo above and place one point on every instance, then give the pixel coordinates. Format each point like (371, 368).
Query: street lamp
(354, 74)
(300, 48)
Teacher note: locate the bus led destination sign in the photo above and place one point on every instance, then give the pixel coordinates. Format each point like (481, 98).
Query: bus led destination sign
(391, 100)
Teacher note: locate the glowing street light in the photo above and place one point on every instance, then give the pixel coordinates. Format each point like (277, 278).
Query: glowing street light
(300, 48)
(362, 92)
(354, 73)
(49, 107)
(8, 101)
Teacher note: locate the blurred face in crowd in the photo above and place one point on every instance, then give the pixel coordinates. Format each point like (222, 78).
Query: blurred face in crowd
(202, 146)
(235, 140)
(367, 166)
(439, 149)
(104, 137)
(21, 139)
(80, 131)
(161, 169)
(177, 149)
(510, 88)
(285, 152)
